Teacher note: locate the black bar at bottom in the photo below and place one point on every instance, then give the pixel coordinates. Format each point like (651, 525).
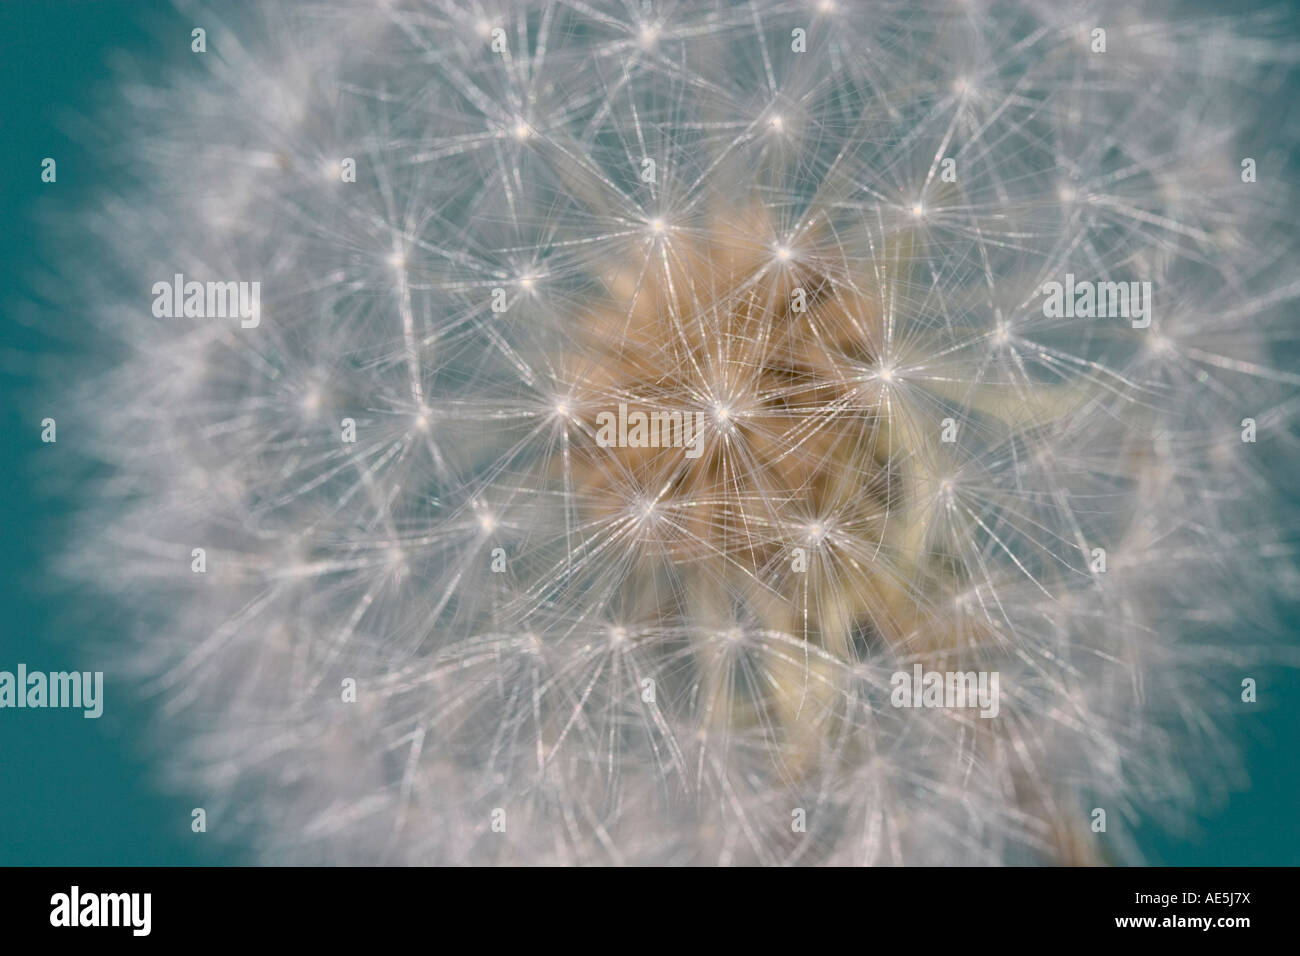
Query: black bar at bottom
(218, 905)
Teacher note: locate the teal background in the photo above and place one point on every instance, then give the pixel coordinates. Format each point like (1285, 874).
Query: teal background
(72, 791)
(84, 792)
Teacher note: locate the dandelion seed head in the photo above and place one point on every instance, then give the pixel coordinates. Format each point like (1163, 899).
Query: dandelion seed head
(885, 474)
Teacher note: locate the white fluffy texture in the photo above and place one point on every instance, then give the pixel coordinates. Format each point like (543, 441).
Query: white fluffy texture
(523, 690)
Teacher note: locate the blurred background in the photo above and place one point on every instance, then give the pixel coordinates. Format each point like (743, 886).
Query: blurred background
(88, 792)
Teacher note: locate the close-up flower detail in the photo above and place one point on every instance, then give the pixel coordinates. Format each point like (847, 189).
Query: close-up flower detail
(755, 432)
